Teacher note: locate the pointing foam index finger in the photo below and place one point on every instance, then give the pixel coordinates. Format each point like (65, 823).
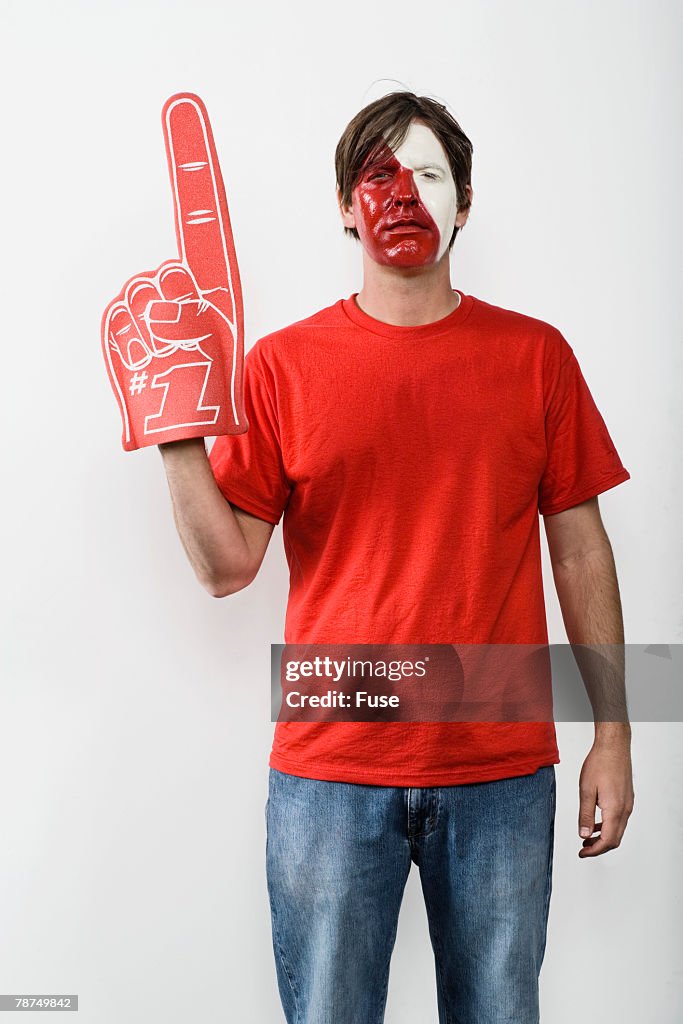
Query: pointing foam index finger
(201, 210)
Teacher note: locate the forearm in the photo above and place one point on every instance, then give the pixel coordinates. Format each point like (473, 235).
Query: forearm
(207, 526)
(588, 592)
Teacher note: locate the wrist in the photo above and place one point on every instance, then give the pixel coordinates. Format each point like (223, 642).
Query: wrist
(612, 732)
(185, 445)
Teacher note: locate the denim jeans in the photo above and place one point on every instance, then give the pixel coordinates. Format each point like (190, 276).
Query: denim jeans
(337, 861)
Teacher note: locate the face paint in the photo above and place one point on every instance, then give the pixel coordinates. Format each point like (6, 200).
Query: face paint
(413, 183)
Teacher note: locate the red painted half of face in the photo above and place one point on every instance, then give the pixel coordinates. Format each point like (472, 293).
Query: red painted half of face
(387, 194)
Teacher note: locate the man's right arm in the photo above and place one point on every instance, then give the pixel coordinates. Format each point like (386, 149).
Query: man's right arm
(225, 544)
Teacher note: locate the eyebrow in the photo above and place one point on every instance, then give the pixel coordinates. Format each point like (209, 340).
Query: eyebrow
(384, 166)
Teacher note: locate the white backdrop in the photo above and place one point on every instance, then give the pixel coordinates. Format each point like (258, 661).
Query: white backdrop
(134, 726)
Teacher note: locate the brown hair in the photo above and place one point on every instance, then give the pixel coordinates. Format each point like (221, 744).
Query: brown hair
(386, 121)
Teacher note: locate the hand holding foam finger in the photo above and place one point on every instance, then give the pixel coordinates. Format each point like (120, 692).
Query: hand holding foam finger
(173, 339)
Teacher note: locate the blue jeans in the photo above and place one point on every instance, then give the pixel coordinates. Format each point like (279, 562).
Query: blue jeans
(337, 861)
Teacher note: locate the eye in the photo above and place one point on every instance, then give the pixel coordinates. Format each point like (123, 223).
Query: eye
(429, 174)
(378, 174)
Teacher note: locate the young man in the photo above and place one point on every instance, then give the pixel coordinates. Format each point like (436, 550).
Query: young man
(411, 434)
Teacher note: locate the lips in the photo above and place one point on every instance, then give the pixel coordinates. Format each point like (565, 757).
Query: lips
(405, 225)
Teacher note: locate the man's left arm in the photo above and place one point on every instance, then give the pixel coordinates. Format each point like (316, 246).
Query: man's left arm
(587, 588)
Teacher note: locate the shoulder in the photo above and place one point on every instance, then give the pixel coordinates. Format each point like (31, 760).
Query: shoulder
(502, 317)
(546, 337)
(277, 346)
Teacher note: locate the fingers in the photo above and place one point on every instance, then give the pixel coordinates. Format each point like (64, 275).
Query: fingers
(139, 292)
(185, 324)
(123, 339)
(201, 209)
(130, 336)
(175, 283)
(587, 806)
(123, 349)
(588, 802)
(611, 831)
(592, 846)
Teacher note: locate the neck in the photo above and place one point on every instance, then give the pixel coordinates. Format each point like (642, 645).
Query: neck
(407, 297)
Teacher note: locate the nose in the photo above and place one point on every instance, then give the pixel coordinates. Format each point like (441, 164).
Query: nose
(404, 191)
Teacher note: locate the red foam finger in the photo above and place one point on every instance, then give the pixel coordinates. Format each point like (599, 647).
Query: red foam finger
(179, 372)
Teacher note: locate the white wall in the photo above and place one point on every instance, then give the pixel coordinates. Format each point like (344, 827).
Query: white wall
(134, 726)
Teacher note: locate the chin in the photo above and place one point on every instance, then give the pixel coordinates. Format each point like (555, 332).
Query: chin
(406, 262)
(407, 255)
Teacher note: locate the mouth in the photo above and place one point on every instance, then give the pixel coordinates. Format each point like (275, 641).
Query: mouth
(405, 225)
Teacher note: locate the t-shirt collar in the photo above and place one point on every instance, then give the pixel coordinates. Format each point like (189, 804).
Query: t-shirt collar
(354, 313)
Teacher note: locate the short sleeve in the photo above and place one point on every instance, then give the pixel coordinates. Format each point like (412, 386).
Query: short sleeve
(581, 458)
(248, 468)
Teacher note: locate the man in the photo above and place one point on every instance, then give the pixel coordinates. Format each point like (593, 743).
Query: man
(410, 435)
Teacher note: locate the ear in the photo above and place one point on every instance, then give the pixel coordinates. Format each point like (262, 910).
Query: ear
(348, 219)
(462, 215)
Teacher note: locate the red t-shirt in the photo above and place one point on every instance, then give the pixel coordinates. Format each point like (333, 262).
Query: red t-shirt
(411, 464)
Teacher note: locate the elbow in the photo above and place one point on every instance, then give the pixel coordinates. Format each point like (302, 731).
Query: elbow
(596, 554)
(225, 587)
